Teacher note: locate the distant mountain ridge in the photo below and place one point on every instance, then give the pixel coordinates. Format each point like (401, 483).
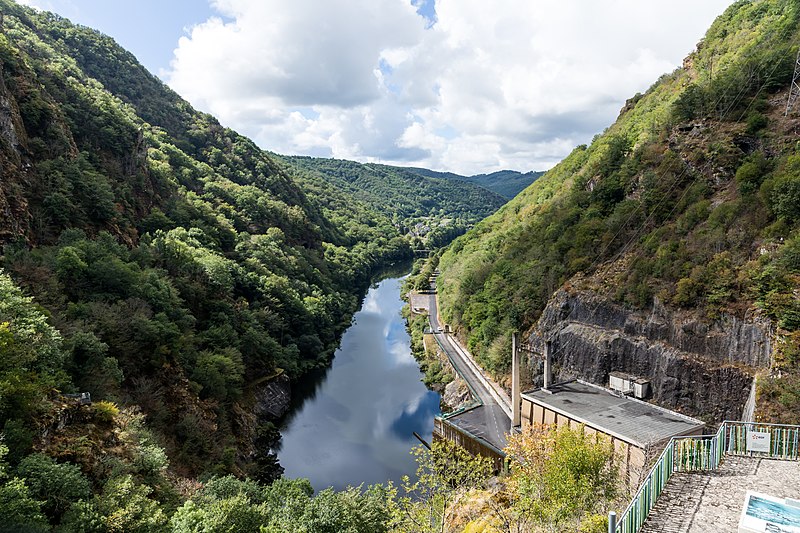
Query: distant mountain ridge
(506, 183)
(429, 210)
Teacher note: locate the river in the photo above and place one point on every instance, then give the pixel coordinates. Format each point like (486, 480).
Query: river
(354, 425)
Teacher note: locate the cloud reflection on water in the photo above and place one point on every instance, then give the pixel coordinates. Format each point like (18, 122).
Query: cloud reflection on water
(358, 427)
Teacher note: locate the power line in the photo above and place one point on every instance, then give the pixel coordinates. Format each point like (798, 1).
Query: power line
(794, 90)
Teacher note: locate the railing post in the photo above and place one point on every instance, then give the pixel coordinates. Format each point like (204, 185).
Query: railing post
(612, 522)
(714, 462)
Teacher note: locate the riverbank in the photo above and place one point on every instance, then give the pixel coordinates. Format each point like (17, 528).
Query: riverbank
(439, 374)
(356, 423)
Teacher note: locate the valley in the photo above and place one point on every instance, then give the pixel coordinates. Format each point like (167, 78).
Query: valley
(199, 334)
(357, 423)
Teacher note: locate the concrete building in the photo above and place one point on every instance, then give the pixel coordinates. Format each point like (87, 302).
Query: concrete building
(637, 429)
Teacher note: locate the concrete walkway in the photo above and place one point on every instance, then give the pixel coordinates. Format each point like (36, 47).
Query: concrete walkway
(712, 501)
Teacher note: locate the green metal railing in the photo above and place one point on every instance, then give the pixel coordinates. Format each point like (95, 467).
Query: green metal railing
(784, 440)
(644, 500)
(695, 454)
(705, 453)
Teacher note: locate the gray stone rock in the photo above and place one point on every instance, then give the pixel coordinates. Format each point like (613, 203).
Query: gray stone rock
(456, 394)
(272, 398)
(699, 368)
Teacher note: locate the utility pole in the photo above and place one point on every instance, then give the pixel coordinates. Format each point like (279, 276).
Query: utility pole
(794, 90)
(515, 369)
(548, 361)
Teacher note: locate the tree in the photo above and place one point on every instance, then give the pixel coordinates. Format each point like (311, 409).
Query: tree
(560, 476)
(219, 373)
(236, 514)
(18, 510)
(234, 505)
(446, 475)
(349, 511)
(123, 506)
(57, 485)
(31, 362)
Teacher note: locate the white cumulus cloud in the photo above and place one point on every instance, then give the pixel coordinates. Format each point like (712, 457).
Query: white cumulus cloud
(487, 85)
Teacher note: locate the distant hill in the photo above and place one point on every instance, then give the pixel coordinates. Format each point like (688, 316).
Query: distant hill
(434, 209)
(506, 183)
(402, 192)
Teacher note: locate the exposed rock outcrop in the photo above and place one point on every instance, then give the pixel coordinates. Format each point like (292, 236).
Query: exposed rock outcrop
(703, 369)
(272, 399)
(13, 204)
(457, 394)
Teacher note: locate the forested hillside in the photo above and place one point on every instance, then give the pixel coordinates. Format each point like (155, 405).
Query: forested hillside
(161, 262)
(169, 267)
(689, 203)
(432, 210)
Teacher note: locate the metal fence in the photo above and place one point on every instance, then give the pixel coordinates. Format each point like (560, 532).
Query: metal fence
(476, 400)
(705, 453)
(784, 440)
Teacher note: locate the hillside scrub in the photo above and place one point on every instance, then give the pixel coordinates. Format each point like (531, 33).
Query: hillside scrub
(689, 197)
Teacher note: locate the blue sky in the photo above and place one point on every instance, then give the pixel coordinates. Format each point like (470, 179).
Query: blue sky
(466, 86)
(150, 29)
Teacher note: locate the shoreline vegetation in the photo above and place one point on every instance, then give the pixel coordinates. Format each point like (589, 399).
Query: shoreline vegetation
(162, 262)
(437, 371)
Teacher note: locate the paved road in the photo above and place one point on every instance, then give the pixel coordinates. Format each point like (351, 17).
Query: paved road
(491, 422)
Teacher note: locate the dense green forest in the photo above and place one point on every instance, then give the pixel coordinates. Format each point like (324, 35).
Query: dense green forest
(431, 210)
(175, 258)
(166, 265)
(506, 183)
(691, 197)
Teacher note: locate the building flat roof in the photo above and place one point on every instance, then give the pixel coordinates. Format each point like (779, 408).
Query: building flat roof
(480, 423)
(628, 419)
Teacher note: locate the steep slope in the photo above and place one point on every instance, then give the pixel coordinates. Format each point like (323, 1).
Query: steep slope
(675, 226)
(506, 183)
(180, 264)
(434, 209)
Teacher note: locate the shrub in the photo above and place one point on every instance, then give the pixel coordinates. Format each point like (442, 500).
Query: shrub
(756, 122)
(687, 291)
(58, 485)
(561, 476)
(786, 199)
(105, 412)
(751, 173)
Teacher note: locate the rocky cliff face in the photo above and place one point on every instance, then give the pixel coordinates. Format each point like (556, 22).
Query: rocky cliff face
(13, 205)
(273, 398)
(696, 367)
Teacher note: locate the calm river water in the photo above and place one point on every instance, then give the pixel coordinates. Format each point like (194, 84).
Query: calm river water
(355, 424)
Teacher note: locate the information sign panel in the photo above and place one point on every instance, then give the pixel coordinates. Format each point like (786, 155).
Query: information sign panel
(758, 441)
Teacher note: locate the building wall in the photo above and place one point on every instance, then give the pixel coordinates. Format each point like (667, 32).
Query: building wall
(442, 429)
(633, 461)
